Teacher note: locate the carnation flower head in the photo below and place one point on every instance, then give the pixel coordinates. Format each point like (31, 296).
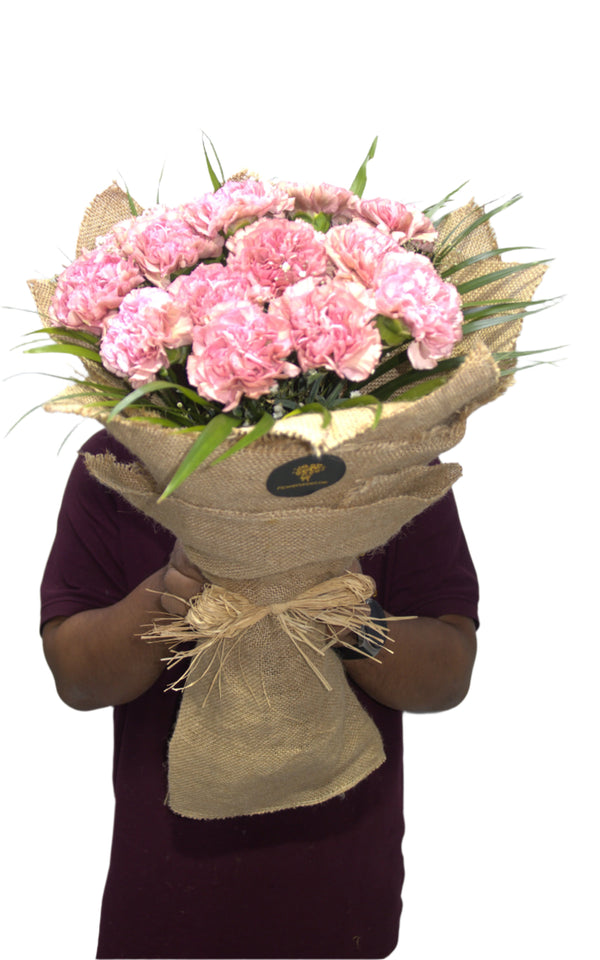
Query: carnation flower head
(320, 198)
(240, 351)
(162, 242)
(356, 248)
(205, 287)
(136, 339)
(92, 288)
(390, 216)
(408, 288)
(275, 254)
(330, 328)
(245, 199)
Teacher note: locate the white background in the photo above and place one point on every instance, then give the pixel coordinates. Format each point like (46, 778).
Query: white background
(502, 800)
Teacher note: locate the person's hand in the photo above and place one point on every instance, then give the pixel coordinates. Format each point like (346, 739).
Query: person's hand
(182, 579)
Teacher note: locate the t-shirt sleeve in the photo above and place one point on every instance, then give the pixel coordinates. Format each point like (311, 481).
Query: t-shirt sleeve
(103, 547)
(426, 570)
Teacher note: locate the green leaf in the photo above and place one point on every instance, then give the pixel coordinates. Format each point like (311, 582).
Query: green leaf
(154, 387)
(130, 199)
(360, 181)
(160, 181)
(213, 177)
(442, 253)
(70, 348)
(515, 354)
(259, 430)
(386, 390)
(431, 211)
(155, 421)
(365, 400)
(392, 332)
(489, 278)
(38, 406)
(488, 308)
(213, 434)
(65, 331)
(478, 258)
(322, 222)
(422, 389)
(311, 408)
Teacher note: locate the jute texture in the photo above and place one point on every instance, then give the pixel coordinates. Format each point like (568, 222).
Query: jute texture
(267, 722)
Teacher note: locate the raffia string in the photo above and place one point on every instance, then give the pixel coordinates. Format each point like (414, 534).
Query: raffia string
(218, 615)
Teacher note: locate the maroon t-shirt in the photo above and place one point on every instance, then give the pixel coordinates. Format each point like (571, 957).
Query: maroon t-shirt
(313, 882)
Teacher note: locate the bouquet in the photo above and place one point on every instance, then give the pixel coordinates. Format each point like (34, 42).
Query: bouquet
(285, 361)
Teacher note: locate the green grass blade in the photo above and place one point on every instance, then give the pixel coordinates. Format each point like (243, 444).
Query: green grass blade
(130, 199)
(478, 258)
(73, 349)
(385, 391)
(422, 389)
(259, 430)
(213, 177)
(38, 406)
(156, 421)
(155, 387)
(311, 408)
(488, 308)
(489, 278)
(160, 181)
(432, 210)
(65, 331)
(365, 400)
(209, 439)
(449, 246)
(360, 181)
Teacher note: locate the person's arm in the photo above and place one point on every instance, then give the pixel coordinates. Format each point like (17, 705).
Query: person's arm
(430, 668)
(98, 657)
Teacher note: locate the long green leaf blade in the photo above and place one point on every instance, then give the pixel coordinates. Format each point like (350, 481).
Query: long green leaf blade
(360, 181)
(487, 255)
(65, 331)
(69, 348)
(209, 439)
(433, 209)
(489, 278)
(155, 387)
(259, 430)
(365, 400)
(213, 177)
(422, 390)
(311, 408)
(445, 250)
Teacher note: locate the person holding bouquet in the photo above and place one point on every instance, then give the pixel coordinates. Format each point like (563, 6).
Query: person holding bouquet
(312, 881)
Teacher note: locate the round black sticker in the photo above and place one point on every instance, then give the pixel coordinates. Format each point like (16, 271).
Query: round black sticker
(298, 478)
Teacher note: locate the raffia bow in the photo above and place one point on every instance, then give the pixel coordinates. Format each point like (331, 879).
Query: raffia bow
(217, 616)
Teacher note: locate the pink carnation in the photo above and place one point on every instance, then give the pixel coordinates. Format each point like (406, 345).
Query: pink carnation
(240, 351)
(320, 198)
(390, 216)
(92, 288)
(330, 328)
(136, 339)
(199, 214)
(357, 249)
(208, 285)
(408, 288)
(239, 200)
(162, 243)
(275, 254)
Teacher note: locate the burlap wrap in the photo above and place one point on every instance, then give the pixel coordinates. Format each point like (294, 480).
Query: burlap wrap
(269, 734)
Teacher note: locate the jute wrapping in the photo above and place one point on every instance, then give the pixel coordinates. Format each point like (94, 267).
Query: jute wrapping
(267, 718)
